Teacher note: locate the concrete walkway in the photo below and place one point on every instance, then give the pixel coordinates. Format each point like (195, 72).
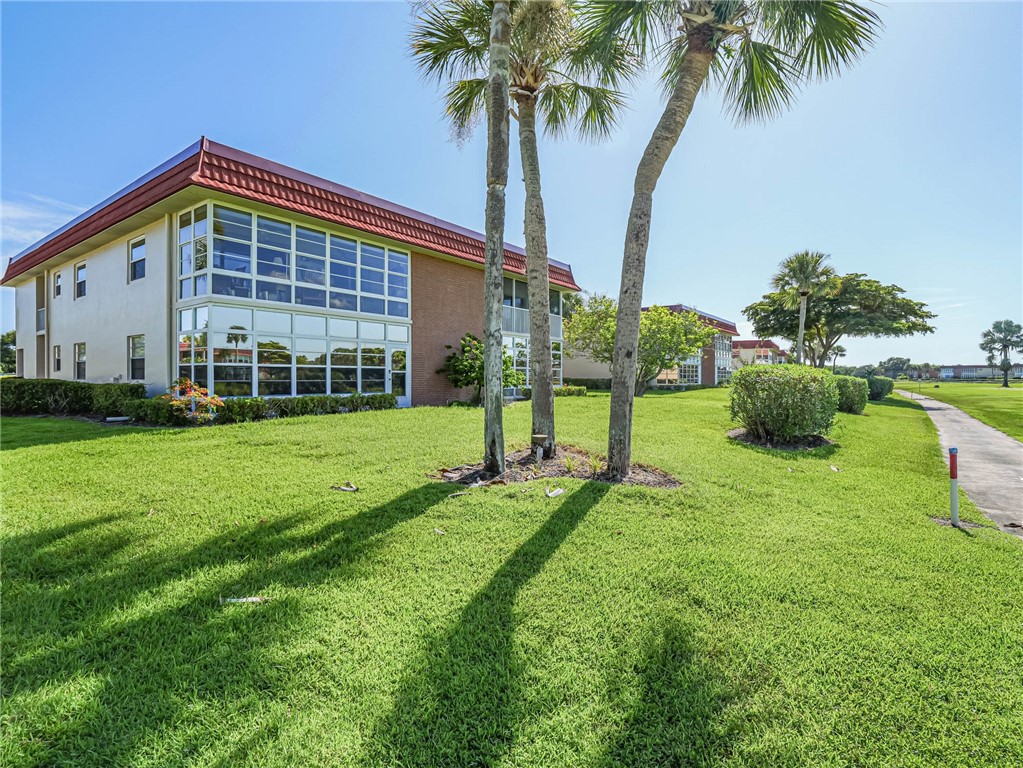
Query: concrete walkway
(990, 462)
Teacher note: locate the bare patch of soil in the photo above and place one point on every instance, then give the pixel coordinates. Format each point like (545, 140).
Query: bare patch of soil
(742, 435)
(520, 467)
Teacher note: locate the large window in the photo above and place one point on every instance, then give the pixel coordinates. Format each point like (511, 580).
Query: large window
(517, 347)
(193, 345)
(689, 370)
(722, 357)
(80, 280)
(56, 284)
(137, 259)
(136, 358)
(56, 358)
(273, 260)
(80, 360)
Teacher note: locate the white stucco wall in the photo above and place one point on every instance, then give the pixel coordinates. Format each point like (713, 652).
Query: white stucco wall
(582, 367)
(112, 310)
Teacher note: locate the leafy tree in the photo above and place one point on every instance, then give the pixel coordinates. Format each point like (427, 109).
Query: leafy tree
(8, 354)
(666, 338)
(465, 367)
(894, 366)
(1004, 337)
(550, 75)
(862, 308)
(803, 276)
(761, 52)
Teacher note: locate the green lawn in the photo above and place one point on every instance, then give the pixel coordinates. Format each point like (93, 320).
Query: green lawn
(770, 612)
(991, 403)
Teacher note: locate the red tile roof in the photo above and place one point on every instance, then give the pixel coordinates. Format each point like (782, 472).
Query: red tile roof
(754, 344)
(218, 167)
(725, 326)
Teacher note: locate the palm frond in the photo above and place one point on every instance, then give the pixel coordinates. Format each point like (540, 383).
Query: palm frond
(761, 82)
(465, 103)
(593, 110)
(643, 25)
(450, 40)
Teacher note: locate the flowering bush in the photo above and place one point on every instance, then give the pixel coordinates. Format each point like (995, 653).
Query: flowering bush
(191, 401)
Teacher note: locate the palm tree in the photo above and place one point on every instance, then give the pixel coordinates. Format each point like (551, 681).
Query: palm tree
(803, 276)
(836, 352)
(1003, 337)
(550, 73)
(761, 52)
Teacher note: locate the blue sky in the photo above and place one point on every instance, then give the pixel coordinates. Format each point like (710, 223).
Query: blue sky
(907, 168)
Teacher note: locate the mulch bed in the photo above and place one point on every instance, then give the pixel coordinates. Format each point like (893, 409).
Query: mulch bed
(520, 467)
(742, 435)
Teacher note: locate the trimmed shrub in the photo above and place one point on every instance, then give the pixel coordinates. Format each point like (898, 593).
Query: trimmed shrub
(157, 410)
(570, 391)
(37, 396)
(239, 409)
(784, 402)
(114, 399)
(597, 385)
(880, 387)
(852, 394)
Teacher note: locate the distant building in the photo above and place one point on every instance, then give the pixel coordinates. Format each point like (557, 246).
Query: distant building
(756, 352)
(711, 365)
(979, 371)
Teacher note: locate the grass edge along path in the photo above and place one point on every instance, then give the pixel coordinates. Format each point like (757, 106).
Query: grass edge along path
(992, 404)
(776, 610)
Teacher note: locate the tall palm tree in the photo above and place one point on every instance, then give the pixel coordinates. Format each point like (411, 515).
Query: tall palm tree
(837, 352)
(550, 74)
(803, 276)
(1003, 337)
(760, 52)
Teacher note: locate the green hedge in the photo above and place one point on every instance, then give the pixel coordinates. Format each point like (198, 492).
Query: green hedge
(880, 387)
(61, 397)
(784, 402)
(158, 411)
(567, 391)
(852, 394)
(597, 385)
(242, 409)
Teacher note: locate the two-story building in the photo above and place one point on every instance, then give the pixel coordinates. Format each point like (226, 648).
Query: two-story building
(756, 352)
(252, 278)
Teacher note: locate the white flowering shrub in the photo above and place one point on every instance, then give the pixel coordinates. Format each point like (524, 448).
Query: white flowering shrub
(784, 402)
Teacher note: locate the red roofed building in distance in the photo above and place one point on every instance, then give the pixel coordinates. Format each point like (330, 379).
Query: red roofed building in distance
(253, 278)
(756, 352)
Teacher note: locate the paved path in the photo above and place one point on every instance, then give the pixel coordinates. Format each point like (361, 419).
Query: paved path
(990, 462)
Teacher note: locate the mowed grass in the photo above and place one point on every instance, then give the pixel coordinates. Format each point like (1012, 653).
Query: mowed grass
(771, 612)
(993, 404)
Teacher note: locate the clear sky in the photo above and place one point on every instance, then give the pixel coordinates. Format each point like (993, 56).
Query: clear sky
(907, 168)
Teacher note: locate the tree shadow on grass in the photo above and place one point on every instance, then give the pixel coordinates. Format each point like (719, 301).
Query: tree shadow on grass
(149, 631)
(28, 432)
(892, 402)
(461, 706)
(677, 720)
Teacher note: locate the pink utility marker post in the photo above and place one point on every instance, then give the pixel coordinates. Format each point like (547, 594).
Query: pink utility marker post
(953, 473)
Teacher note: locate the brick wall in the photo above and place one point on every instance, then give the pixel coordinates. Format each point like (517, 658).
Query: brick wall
(708, 372)
(447, 303)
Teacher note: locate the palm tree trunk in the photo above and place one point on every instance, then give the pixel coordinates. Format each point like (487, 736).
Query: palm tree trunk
(493, 270)
(802, 324)
(1005, 367)
(541, 366)
(694, 71)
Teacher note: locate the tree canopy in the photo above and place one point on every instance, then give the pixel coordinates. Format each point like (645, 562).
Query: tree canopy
(862, 307)
(8, 358)
(464, 367)
(666, 338)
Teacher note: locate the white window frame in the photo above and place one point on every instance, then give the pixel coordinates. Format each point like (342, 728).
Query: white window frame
(84, 282)
(131, 359)
(56, 285)
(56, 358)
(131, 262)
(80, 345)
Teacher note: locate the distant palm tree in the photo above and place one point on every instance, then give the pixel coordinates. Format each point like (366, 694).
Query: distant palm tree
(803, 276)
(836, 352)
(550, 74)
(761, 52)
(1003, 337)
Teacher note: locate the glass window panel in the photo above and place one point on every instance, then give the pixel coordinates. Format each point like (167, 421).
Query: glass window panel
(202, 315)
(185, 227)
(273, 232)
(266, 291)
(313, 297)
(372, 306)
(311, 381)
(310, 241)
(509, 292)
(307, 274)
(372, 281)
(235, 318)
(373, 380)
(398, 358)
(185, 260)
(185, 289)
(273, 321)
(279, 383)
(199, 222)
(372, 256)
(271, 262)
(397, 286)
(342, 249)
(310, 351)
(521, 295)
(231, 256)
(373, 357)
(398, 384)
(555, 302)
(199, 247)
(137, 269)
(137, 346)
(231, 223)
(397, 262)
(397, 308)
(310, 325)
(344, 381)
(274, 350)
(373, 331)
(184, 348)
(138, 250)
(232, 380)
(345, 328)
(185, 317)
(397, 333)
(344, 355)
(344, 301)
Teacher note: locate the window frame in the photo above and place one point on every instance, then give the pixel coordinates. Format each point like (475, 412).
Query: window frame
(132, 359)
(80, 351)
(83, 282)
(56, 285)
(56, 358)
(132, 243)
